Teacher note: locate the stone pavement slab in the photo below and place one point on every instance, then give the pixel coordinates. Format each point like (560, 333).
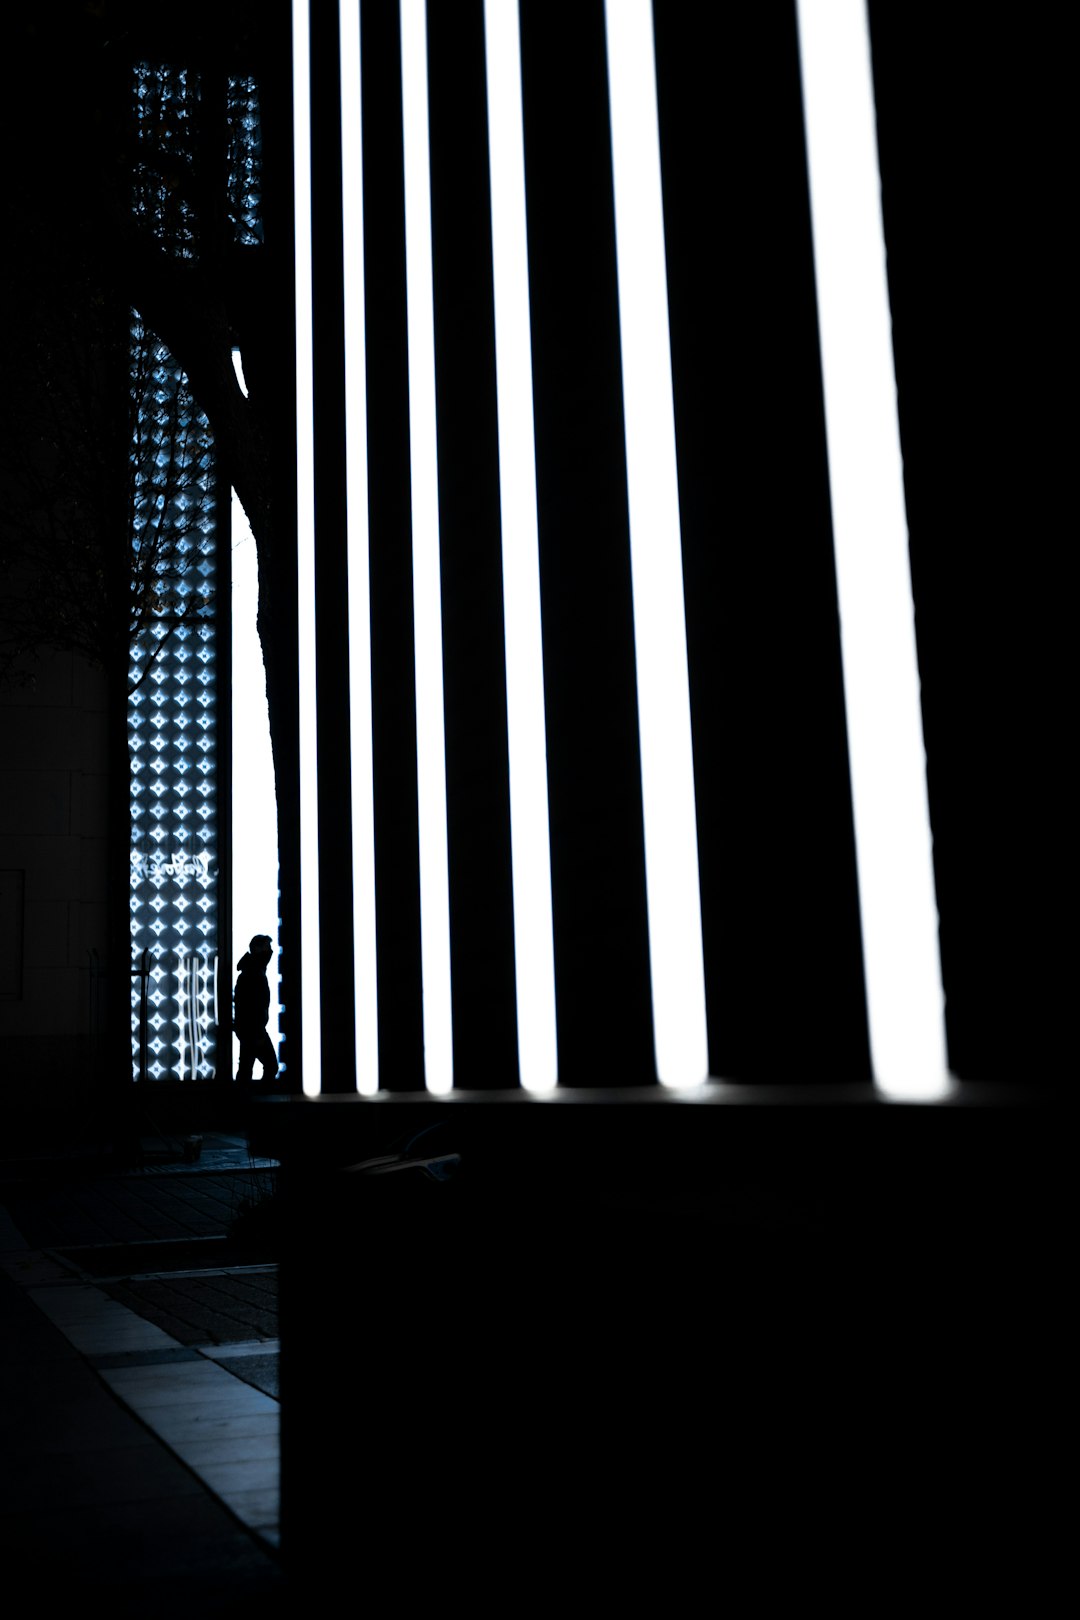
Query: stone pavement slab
(230, 1306)
(135, 1465)
(93, 1502)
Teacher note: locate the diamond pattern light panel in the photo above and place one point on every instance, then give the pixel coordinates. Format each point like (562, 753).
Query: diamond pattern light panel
(166, 109)
(245, 160)
(172, 710)
(172, 734)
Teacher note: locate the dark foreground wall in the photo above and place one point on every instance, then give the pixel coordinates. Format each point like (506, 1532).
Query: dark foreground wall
(626, 1341)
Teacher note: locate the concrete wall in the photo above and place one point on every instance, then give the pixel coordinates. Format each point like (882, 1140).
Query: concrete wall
(53, 892)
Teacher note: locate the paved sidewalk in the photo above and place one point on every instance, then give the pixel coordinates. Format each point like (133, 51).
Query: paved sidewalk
(138, 1414)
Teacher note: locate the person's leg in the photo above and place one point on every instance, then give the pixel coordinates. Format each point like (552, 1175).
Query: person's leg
(267, 1056)
(248, 1054)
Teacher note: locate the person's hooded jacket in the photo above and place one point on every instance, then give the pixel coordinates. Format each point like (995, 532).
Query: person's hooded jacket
(251, 997)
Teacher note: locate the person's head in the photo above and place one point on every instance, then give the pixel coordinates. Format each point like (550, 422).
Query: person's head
(261, 947)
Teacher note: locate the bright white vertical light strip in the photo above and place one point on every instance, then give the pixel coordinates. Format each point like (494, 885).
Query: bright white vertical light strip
(667, 759)
(427, 600)
(904, 993)
(254, 801)
(530, 846)
(310, 987)
(356, 482)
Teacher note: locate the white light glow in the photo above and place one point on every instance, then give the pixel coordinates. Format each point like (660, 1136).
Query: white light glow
(254, 800)
(427, 598)
(238, 371)
(531, 853)
(356, 474)
(182, 1014)
(310, 988)
(667, 761)
(881, 679)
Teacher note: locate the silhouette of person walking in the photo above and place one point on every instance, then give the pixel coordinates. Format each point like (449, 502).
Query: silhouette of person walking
(251, 1011)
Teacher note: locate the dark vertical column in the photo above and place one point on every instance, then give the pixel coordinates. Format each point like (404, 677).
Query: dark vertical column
(783, 955)
(397, 870)
(331, 571)
(603, 996)
(269, 340)
(474, 674)
(970, 138)
(938, 358)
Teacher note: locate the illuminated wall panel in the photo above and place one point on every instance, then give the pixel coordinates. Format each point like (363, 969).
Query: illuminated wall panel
(533, 942)
(549, 443)
(254, 836)
(176, 838)
(245, 160)
(427, 606)
(166, 110)
(667, 764)
(172, 731)
(311, 959)
(905, 999)
(365, 971)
